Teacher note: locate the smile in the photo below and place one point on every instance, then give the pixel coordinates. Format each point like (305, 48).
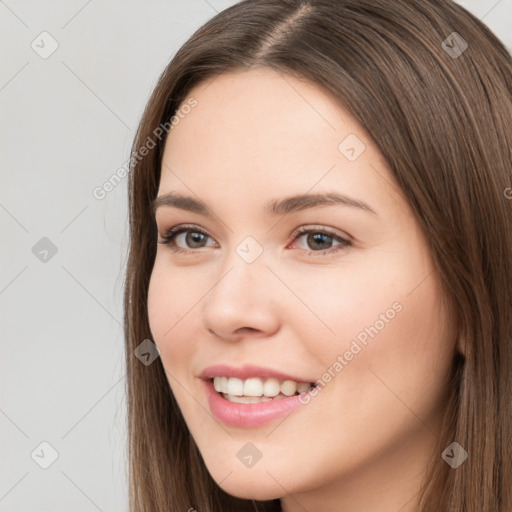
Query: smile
(257, 390)
(240, 410)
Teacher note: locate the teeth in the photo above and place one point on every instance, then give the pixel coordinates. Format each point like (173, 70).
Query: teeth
(302, 386)
(288, 387)
(252, 387)
(235, 387)
(256, 387)
(247, 399)
(271, 387)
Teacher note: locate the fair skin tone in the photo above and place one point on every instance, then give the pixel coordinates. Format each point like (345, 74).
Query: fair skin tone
(361, 444)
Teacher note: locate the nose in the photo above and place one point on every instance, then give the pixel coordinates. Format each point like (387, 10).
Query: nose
(242, 302)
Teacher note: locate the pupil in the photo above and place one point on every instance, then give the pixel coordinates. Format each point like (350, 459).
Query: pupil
(194, 237)
(319, 238)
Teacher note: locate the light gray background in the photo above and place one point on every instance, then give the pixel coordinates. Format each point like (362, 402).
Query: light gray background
(67, 123)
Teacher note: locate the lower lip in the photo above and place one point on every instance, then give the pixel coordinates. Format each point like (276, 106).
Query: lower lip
(248, 415)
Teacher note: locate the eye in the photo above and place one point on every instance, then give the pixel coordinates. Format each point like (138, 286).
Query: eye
(192, 236)
(318, 241)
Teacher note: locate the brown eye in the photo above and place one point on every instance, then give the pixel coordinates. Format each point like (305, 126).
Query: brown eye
(320, 241)
(185, 238)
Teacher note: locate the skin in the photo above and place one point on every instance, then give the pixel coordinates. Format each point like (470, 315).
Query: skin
(362, 444)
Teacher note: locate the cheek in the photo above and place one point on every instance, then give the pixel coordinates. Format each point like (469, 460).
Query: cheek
(356, 301)
(392, 341)
(172, 323)
(391, 386)
(397, 349)
(389, 302)
(169, 303)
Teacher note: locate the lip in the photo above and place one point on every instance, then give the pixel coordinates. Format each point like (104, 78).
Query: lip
(246, 372)
(248, 415)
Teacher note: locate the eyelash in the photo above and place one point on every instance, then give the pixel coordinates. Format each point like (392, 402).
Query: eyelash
(172, 233)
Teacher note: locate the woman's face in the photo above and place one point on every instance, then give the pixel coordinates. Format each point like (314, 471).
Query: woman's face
(354, 305)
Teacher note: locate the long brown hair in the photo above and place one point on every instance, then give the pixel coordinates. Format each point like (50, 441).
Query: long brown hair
(441, 115)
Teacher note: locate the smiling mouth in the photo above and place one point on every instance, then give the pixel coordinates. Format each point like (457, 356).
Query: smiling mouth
(257, 390)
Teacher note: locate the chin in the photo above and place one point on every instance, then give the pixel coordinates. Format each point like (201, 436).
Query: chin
(254, 491)
(247, 486)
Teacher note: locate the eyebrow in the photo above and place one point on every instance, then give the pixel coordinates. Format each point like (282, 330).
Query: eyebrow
(273, 207)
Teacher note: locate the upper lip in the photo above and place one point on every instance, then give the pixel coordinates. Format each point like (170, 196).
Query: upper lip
(247, 371)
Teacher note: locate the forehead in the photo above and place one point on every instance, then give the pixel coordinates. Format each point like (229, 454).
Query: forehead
(264, 104)
(259, 130)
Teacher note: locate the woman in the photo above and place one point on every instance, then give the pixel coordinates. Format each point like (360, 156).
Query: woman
(321, 253)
